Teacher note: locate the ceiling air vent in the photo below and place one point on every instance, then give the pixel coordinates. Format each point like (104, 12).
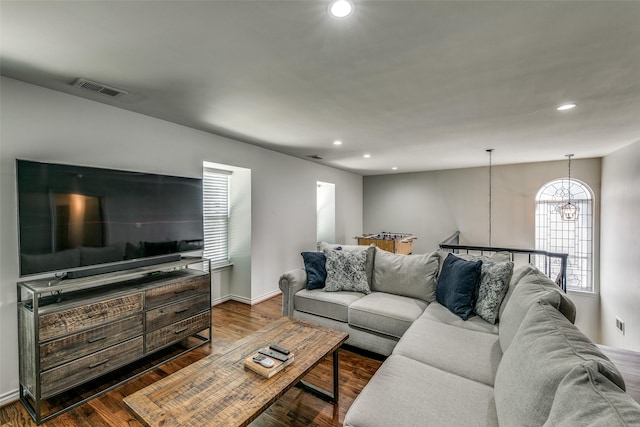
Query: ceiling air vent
(99, 88)
(315, 156)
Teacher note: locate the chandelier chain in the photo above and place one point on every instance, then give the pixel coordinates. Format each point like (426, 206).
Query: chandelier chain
(569, 186)
(490, 151)
(569, 212)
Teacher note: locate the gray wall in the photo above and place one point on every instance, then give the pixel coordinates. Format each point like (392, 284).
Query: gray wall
(620, 269)
(45, 125)
(433, 205)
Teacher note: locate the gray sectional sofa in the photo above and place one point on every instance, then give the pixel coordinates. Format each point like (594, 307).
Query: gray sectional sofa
(533, 367)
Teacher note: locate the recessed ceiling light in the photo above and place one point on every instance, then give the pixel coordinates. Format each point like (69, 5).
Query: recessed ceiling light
(337, 142)
(565, 107)
(395, 168)
(341, 8)
(366, 156)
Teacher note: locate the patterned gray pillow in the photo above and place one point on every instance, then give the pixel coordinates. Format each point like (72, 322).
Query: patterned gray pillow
(346, 271)
(370, 250)
(494, 283)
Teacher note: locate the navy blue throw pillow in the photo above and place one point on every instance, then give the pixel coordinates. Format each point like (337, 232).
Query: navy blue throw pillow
(457, 285)
(314, 263)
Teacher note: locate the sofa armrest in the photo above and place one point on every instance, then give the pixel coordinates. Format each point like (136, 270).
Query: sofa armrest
(290, 283)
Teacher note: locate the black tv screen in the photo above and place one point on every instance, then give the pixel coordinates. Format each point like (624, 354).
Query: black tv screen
(73, 218)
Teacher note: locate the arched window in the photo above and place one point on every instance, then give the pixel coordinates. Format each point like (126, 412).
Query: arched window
(574, 237)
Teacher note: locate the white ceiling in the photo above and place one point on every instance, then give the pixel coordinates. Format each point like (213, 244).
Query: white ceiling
(421, 85)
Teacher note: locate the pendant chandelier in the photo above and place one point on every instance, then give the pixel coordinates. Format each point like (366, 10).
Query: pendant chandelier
(569, 211)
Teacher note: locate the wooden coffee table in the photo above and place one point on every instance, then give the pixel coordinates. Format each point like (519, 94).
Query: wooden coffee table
(219, 391)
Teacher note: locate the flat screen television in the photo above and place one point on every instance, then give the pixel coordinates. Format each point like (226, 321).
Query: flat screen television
(76, 221)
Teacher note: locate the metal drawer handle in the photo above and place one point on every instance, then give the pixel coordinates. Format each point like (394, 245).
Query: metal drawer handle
(181, 330)
(95, 365)
(102, 313)
(92, 340)
(182, 310)
(184, 290)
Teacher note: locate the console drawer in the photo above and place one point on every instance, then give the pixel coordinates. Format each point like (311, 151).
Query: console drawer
(79, 371)
(177, 331)
(169, 293)
(168, 314)
(62, 350)
(53, 325)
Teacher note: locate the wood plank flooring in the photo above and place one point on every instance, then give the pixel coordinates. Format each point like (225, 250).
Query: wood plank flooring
(231, 322)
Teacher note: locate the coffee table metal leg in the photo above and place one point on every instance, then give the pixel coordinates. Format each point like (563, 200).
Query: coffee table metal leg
(336, 388)
(323, 394)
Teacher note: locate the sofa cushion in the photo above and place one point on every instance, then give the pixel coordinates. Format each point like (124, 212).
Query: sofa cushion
(544, 350)
(457, 285)
(407, 393)
(523, 271)
(533, 286)
(495, 257)
(518, 273)
(333, 305)
(494, 284)
(586, 397)
(370, 250)
(469, 354)
(385, 313)
(411, 276)
(437, 311)
(346, 271)
(314, 265)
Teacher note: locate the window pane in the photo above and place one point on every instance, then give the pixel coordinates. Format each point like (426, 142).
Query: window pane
(216, 216)
(571, 237)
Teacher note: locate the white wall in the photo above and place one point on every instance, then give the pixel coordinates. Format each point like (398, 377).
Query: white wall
(433, 205)
(45, 125)
(620, 247)
(326, 212)
(235, 283)
(240, 230)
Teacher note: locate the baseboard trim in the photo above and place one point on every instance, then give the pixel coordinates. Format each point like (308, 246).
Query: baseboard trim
(266, 296)
(220, 300)
(238, 298)
(246, 300)
(9, 397)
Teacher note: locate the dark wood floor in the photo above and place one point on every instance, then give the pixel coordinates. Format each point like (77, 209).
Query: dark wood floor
(231, 322)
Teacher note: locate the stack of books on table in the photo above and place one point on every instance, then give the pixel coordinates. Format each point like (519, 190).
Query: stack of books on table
(251, 363)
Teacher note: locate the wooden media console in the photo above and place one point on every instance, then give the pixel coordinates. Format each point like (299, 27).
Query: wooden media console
(74, 331)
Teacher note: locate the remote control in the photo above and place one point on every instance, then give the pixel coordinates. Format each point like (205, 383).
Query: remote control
(263, 360)
(273, 354)
(279, 349)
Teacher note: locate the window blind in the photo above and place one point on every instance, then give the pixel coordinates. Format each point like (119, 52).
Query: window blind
(215, 201)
